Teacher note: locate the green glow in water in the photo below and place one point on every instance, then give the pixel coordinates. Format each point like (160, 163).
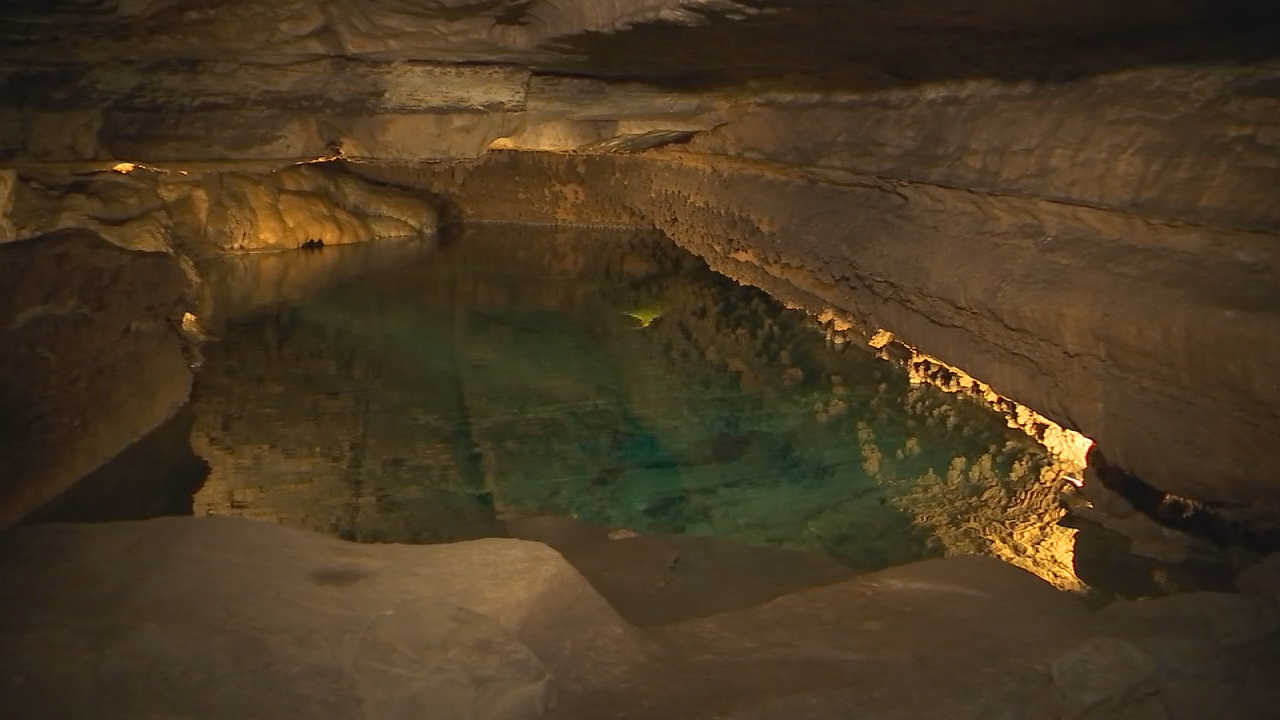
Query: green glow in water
(429, 397)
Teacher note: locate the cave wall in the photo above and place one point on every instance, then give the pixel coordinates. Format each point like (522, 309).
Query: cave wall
(1196, 145)
(1077, 205)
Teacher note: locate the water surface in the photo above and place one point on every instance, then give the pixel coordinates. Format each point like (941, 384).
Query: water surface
(407, 392)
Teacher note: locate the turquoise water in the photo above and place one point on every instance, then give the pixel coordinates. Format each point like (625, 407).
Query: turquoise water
(411, 392)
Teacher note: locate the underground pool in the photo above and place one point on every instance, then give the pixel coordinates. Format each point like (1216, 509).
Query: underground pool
(423, 391)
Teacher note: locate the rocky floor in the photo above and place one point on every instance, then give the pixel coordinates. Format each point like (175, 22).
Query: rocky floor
(221, 617)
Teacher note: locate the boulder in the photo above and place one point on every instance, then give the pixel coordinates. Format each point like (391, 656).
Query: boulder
(94, 360)
(219, 617)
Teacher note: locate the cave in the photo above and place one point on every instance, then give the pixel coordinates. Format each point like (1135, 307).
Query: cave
(640, 359)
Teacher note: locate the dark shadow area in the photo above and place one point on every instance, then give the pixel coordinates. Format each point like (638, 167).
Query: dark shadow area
(1221, 524)
(1104, 563)
(847, 45)
(1210, 547)
(154, 477)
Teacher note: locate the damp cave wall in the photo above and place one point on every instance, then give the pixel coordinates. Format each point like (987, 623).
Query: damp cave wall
(1078, 206)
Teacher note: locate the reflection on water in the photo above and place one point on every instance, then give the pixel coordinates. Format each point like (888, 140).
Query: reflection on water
(411, 393)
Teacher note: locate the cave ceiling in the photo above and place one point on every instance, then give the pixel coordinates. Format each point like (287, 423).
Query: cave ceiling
(849, 44)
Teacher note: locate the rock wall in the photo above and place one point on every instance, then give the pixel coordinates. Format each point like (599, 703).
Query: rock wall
(1195, 145)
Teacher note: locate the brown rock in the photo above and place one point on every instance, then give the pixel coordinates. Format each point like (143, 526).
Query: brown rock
(1101, 669)
(1262, 579)
(95, 359)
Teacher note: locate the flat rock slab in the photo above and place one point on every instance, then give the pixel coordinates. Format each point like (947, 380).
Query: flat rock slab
(659, 579)
(964, 637)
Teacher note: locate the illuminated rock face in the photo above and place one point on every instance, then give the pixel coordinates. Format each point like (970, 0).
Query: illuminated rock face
(1077, 205)
(145, 209)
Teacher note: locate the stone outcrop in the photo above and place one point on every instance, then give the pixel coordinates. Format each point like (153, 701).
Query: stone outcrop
(205, 111)
(106, 330)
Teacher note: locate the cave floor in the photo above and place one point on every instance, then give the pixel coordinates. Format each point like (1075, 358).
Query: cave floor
(224, 617)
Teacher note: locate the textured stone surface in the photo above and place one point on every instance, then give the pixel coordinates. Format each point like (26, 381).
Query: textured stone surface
(1262, 579)
(1214, 654)
(706, 41)
(455, 30)
(8, 178)
(1101, 669)
(210, 617)
(1207, 154)
(1226, 618)
(962, 637)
